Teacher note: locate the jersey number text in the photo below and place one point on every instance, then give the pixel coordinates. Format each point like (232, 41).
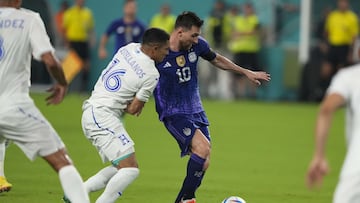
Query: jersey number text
(184, 74)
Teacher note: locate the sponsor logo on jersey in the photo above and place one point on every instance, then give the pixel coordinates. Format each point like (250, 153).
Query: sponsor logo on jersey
(192, 57)
(180, 60)
(167, 65)
(187, 131)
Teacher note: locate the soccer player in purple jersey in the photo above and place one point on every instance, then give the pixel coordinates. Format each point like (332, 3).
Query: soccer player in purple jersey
(178, 100)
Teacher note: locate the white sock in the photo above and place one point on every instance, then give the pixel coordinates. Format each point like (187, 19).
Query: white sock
(72, 185)
(100, 179)
(2, 158)
(117, 184)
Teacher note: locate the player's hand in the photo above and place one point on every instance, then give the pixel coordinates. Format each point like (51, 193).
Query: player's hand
(102, 53)
(317, 170)
(57, 94)
(257, 76)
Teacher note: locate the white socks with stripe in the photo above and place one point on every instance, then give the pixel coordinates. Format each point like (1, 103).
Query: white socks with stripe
(117, 184)
(100, 179)
(73, 185)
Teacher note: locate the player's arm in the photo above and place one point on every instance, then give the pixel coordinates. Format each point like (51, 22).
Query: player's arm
(226, 64)
(54, 68)
(102, 46)
(135, 107)
(142, 96)
(318, 166)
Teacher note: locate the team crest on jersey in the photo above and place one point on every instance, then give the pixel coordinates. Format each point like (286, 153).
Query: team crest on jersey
(192, 57)
(180, 60)
(187, 131)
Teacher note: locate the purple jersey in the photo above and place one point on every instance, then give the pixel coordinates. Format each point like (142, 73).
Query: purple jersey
(177, 91)
(126, 32)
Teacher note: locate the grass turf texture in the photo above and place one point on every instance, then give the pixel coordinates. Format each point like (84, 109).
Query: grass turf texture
(260, 152)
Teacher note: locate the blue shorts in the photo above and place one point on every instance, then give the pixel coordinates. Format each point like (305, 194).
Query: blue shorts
(183, 126)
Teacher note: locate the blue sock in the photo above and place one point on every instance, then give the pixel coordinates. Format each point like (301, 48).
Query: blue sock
(193, 178)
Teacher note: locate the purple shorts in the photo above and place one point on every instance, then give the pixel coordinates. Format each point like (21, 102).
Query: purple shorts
(182, 127)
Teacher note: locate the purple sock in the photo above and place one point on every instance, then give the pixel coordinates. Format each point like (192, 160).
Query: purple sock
(193, 178)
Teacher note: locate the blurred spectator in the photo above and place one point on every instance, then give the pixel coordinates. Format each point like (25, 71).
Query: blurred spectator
(245, 45)
(163, 20)
(309, 84)
(341, 30)
(39, 75)
(126, 29)
(282, 11)
(59, 16)
(78, 24)
(217, 83)
(216, 23)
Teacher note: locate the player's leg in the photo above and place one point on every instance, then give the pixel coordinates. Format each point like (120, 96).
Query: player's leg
(70, 178)
(28, 128)
(127, 172)
(196, 167)
(4, 184)
(100, 179)
(109, 136)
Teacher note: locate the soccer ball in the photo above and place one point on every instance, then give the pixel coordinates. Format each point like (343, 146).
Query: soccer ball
(233, 199)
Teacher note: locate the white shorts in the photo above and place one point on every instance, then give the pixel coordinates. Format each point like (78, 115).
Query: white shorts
(348, 190)
(106, 132)
(27, 127)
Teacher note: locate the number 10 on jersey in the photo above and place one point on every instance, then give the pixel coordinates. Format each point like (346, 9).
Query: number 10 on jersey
(184, 74)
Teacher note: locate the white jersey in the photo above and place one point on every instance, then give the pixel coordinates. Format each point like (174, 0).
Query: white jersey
(22, 32)
(131, 73)
(347, 83)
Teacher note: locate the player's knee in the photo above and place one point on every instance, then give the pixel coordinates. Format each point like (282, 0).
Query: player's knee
(203, 150)
(206, 164)
(58, 160)
(129, 162)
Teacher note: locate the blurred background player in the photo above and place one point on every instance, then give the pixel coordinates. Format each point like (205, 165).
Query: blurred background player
(342, 29)
(78, 24)
(59, 19)
(20, 120)
(245, 45)
(178, 100)
(126, 29)
(343, 91)
(163, 20)
(217, 83)
(123, 87)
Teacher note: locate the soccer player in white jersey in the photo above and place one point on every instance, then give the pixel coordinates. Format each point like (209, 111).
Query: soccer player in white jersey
(344, 90)
(123, 87)
(22, 33)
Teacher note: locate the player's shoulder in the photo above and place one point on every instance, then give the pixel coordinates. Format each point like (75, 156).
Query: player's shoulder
(351, 73)
(202, 40)
(201, 43)
(27, 14)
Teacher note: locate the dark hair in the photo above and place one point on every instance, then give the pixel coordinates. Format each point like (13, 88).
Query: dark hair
(128, 1)
(188, 19)
(155, 35)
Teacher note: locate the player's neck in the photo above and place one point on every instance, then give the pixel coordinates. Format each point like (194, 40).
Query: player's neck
(174, 43)
(129, 19)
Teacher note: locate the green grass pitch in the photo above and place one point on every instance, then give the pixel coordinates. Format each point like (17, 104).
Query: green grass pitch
(260, 151)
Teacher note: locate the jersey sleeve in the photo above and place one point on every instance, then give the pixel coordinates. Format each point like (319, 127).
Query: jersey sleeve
(147, 89)
(205, 50)
(340, 85)
(39, 40)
